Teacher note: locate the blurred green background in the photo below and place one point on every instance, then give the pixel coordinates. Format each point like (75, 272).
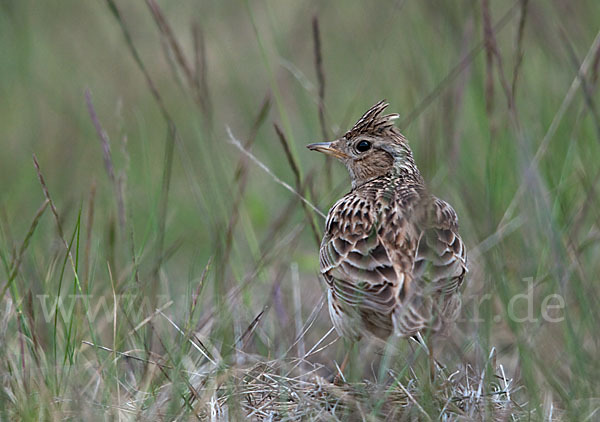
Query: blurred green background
(500, 123)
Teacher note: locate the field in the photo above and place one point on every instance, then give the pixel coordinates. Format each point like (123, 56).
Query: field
(160, 215)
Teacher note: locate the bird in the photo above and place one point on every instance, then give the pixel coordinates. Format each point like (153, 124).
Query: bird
(391, 255)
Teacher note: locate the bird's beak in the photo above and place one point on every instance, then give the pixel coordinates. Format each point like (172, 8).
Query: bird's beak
(327, 148)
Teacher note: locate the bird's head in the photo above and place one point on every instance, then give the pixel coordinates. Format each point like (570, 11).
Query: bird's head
(374, 147)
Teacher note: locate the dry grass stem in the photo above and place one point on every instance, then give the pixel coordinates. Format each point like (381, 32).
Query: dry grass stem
(267, 170)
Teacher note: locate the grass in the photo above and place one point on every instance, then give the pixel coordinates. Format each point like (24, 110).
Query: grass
(159, 252)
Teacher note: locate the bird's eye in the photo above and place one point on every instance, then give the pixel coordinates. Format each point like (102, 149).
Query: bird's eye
(363, 146)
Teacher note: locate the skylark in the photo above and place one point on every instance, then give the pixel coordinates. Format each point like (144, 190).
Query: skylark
(391, 254)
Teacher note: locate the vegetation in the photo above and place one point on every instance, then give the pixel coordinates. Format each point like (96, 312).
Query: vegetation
(160, 216)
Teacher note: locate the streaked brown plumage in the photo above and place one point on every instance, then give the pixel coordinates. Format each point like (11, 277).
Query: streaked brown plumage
(391, 254)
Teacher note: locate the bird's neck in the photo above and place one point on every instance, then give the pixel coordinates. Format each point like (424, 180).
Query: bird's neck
(404, 168)
(400, 174)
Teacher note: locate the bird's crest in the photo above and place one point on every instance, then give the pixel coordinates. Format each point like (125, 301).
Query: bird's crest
(372, 122)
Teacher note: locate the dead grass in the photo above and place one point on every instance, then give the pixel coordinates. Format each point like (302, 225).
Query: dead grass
(278, 390)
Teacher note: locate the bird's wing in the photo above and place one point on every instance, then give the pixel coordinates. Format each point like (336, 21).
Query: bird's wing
(367, 257)
(438, 270)
(441, 261)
